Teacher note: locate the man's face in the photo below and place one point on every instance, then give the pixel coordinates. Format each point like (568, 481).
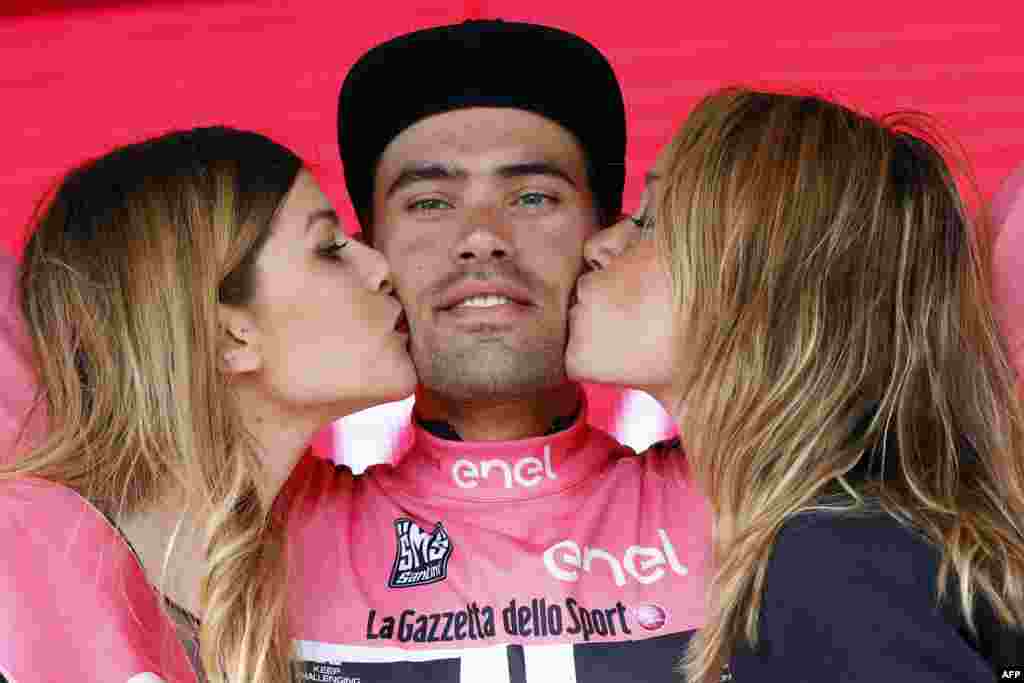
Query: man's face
(482, 214)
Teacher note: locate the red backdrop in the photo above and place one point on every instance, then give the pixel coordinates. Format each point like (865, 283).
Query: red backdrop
(78, 77)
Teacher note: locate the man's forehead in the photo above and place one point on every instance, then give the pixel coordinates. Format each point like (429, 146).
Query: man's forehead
(494, 121)
(481, 140)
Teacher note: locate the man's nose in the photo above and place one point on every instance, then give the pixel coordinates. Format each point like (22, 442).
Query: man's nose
(486, 239)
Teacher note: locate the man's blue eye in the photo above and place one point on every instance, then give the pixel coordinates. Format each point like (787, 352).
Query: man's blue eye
(535, 199)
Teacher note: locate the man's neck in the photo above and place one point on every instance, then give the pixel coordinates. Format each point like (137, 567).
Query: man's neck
(499, 419)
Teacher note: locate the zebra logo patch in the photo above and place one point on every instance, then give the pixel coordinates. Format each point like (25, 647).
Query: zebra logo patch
(421, 557)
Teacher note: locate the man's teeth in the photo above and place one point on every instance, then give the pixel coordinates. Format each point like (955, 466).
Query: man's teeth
(484, 301)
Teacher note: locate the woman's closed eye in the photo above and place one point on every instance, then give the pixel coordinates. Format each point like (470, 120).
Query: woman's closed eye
(333, 248)
(644, 222)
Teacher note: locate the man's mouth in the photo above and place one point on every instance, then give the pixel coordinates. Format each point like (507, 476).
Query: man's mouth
(482, 296)
(496, 304)
(484, 301)
(488, 309)
(475, 304)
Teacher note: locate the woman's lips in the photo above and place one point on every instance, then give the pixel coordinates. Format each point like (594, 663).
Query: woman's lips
(402, 324)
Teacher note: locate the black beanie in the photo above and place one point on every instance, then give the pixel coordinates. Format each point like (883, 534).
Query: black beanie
(483, 64)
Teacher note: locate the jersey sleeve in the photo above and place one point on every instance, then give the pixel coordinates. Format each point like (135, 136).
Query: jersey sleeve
(854, 600)
(318, 498)
(312, 488)
(670, 461)
(74, 605)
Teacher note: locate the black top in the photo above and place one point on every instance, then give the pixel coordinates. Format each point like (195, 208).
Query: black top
(444, 430)
(853, 598)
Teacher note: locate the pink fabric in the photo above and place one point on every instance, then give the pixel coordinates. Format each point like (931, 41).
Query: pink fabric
(554, 526)
(74, 602)
(16, 375)
(1008, 266)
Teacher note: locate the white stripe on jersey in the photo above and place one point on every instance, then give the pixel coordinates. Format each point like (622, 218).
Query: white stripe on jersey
(331, 653)
(550, 663)
(485, 664)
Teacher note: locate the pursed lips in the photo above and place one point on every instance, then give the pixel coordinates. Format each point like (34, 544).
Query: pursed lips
(574, 295)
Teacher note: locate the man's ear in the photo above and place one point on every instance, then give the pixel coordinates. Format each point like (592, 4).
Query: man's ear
(239, 346)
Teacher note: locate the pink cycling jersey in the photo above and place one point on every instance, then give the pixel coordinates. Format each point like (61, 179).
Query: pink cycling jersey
(555, 558)
(75, 604)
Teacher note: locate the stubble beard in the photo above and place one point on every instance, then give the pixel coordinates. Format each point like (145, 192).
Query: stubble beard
(488, 366)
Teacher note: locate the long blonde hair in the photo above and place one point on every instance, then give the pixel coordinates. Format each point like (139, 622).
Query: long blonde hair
(834, 290)
(119, 287)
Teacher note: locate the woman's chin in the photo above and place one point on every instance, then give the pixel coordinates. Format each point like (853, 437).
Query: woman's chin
(398, 383)
(580, 366)
(598, 366)
(403, 386)
(390, 389)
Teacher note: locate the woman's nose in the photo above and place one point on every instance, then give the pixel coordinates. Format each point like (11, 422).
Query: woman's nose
(607, 244)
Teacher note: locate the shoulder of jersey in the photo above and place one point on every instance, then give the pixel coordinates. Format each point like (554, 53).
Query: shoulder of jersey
(666, 446)
(24, 493)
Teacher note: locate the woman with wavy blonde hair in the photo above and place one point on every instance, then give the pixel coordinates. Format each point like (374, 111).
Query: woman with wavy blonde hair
(815, 299)
(196, 315)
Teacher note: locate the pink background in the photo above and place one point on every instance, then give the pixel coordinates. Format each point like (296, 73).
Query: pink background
(78, 77)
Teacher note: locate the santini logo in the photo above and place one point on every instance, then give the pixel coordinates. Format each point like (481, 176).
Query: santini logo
(421, 557)
(565, 559)
(528, 471)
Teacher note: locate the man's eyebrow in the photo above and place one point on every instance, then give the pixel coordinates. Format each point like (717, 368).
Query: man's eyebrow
(535, 168)
(419, 172)
(321, 215)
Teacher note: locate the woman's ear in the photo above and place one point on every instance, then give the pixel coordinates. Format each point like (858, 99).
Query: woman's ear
(239, 347)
